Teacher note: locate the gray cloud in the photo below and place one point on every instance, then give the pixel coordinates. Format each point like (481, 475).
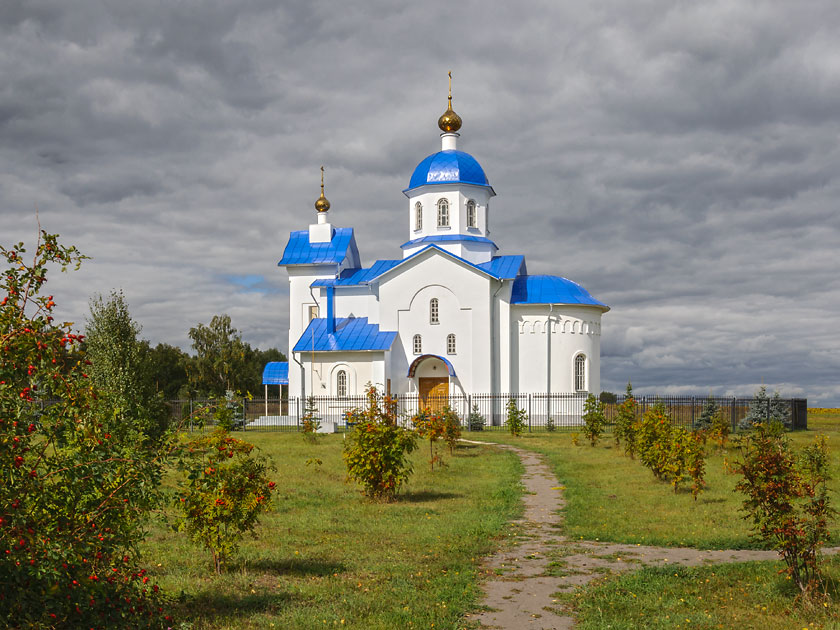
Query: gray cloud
(680, 161)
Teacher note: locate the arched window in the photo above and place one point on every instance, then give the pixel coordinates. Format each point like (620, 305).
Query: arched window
(418, 344)
(450, 343)
(341, 383)
(580, 373)
(418, 216)
(443, 213)
(471, 220)
(434, 314)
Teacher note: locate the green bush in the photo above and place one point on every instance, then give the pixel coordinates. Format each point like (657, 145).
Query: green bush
(451, 428)
(376, 450)
(625, 423)
(787, 499)
(516, 418)
(593, 419)
(311, 421)
(224, 490)
(79, 478)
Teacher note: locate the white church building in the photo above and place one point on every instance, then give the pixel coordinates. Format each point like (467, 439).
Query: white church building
(449, 316)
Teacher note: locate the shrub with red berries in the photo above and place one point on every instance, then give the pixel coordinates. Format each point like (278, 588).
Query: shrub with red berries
(76, 484)
(224, 490)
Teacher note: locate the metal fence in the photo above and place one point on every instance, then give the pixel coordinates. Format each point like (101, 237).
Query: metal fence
(486, 412)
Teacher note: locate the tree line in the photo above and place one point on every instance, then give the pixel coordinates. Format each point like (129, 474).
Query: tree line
(220, 360)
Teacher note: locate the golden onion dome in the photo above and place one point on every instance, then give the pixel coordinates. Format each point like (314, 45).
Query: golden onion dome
(450, 121)
(322, 205)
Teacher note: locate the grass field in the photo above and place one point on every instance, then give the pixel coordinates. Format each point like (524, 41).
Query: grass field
(327, 557)
(613, 498)
(748, 596)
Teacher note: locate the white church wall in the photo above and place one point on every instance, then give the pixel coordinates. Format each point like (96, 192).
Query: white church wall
(463, 296)
(361, 368)
(574, 330)
(356, 302)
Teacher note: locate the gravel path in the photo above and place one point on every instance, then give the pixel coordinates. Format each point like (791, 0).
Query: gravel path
(522, 581)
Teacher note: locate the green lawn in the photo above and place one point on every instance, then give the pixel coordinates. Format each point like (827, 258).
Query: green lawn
(748, 596)
(613, 498)
(327, 557)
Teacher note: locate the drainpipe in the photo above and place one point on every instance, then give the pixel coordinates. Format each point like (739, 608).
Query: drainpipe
(548, 363)
(493, 351)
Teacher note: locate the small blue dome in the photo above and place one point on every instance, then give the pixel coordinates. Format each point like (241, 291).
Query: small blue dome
(448, 167)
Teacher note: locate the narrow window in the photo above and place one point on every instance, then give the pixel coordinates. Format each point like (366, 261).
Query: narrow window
(580, 373)
(443, 213)
(471, 214)
(418, 344)
(341, 383)
(313, 312)
(450, 344)
(418, 216)
(434, 317)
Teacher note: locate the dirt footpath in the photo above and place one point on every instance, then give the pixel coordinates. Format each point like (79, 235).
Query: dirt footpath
(521, 581)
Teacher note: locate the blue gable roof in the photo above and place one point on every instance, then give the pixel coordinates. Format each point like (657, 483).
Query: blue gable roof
(276, 373)
(550, 290)
(351, 334)
(505, 267)
(299, 251)
(351, 277)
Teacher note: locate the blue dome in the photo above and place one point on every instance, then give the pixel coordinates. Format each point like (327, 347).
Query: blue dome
(448, 167)
(551, 290)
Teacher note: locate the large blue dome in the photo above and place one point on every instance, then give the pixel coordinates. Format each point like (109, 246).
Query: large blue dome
(448, 167)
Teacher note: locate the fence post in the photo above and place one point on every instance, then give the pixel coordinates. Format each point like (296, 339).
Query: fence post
(529, 413)
(732, 414)
(469, 412)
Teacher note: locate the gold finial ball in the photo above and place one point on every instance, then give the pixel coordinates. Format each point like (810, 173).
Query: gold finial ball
(450, 121)
(322, 205)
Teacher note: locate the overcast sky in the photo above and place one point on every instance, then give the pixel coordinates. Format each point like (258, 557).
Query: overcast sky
(679, 160)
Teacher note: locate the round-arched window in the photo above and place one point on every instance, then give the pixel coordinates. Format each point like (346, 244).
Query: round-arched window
(418, 216)
(450, 343)
(434, 311)
(443, 213)
(341, 383)
(418, 344)
(471, 218)
(580, 373)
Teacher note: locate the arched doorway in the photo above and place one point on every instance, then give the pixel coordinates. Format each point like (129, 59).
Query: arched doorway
(432, 374)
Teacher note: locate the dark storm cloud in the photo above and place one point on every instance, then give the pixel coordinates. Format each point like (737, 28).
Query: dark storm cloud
(679, 160)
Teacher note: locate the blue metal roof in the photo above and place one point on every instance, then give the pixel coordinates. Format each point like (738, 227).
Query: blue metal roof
(449, 238)
(505, 267)
(351, 334)
(351, 277)
(448, 167)
(300, 251)
(550, 290)
(276, 373)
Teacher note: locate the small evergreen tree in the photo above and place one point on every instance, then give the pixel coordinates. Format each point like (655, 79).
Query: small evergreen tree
(516, 418)
(704, 422)
(311, 421)
(764, 409)
(475, 421)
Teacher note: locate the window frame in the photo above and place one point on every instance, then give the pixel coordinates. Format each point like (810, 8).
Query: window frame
(451, 347)
(418, 216)
(417, 344)
(472, 218)
(434, 311)
(341, 383)
(580, 373)
(313, 312)
(443, 212)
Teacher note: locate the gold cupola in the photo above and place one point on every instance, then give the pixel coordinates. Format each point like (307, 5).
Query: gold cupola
(450, 122)
(322, 205)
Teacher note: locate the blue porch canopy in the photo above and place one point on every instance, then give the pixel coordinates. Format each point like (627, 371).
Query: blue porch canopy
(276, 373)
